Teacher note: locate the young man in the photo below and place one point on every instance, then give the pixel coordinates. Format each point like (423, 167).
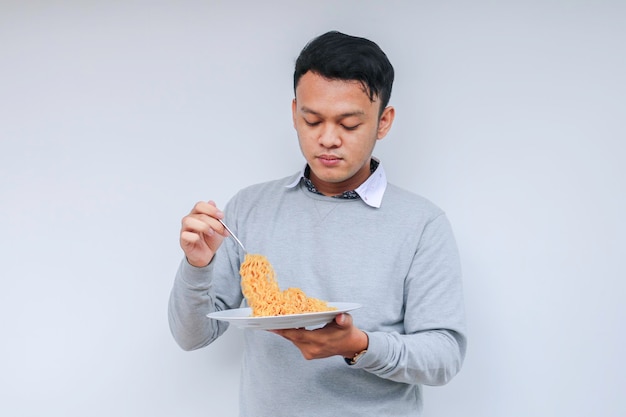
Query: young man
(340, 232)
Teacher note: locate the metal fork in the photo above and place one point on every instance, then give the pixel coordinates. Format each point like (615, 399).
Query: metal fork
(233, 235)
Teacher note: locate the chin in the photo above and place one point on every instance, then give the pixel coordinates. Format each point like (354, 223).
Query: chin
(327, 175)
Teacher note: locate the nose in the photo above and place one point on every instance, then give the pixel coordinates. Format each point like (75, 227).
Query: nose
(330, 137)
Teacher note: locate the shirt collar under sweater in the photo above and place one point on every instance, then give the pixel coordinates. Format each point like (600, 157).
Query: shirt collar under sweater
(371, 191)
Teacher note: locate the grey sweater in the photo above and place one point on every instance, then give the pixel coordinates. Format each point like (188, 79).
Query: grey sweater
(399, 261)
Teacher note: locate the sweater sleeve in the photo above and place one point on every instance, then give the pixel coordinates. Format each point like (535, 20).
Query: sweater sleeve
(199, 291)
(432, 348)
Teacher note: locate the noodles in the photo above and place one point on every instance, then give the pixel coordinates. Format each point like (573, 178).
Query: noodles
(259, 286)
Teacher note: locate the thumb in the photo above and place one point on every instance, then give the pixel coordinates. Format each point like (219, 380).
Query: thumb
(343, 320)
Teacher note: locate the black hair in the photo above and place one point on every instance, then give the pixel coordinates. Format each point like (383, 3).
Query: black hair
(337, 56)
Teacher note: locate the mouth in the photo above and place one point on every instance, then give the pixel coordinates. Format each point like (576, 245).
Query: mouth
(329, 160)
(328, 157)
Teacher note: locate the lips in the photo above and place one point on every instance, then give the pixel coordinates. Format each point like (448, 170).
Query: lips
(329, 157)
(329, 160)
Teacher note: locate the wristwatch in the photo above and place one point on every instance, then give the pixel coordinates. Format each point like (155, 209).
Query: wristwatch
(355, 358)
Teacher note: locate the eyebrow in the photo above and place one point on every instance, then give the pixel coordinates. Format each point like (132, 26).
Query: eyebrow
(307, 110)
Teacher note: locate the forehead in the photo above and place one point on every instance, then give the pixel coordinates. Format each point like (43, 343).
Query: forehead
(324, 95)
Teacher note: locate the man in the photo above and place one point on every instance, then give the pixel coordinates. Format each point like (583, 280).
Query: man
(340, 232)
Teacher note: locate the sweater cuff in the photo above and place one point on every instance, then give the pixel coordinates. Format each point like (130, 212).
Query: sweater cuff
(193, 276)
(377, 351)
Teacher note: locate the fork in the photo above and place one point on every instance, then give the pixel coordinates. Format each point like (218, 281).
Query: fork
(233, 235)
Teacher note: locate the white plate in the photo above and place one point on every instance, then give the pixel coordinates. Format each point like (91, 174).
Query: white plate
(242, 317)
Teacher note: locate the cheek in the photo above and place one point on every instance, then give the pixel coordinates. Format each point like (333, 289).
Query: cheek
(305, 144)
(304, 135)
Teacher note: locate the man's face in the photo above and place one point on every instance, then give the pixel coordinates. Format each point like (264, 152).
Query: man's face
(337, 128)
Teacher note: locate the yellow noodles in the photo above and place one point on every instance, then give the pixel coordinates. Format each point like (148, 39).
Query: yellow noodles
(259, 286)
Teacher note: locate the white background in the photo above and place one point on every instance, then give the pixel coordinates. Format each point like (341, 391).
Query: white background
(117, 116)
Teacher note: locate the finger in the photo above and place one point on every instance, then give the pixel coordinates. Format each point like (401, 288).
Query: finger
(199, 224)
(343, 320)
(199, 221)
(208, 208)
(209, 213)
(189, 238)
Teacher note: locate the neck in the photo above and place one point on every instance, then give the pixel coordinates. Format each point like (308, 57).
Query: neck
(336, 188)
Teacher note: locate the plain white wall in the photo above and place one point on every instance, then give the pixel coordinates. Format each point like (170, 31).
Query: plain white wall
(117, 116)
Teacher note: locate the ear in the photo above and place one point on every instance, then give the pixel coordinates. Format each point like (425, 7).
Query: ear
(385, 122)
(293, 112)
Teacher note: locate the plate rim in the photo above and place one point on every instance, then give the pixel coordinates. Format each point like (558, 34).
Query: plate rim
(342, 307)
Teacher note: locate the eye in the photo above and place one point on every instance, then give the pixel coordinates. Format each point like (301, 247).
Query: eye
(311, 123)
(351, 127)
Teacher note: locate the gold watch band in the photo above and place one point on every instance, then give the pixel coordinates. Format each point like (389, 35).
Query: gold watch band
(356, 357)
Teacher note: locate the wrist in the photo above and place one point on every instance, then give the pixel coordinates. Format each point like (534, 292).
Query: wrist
(198, 263)
(355, 358)
(360, 351)
(359, 346)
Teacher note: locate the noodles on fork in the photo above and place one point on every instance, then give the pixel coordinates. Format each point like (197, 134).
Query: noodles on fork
(259, 286)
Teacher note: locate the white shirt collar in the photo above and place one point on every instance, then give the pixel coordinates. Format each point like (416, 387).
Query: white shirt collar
(371, 191)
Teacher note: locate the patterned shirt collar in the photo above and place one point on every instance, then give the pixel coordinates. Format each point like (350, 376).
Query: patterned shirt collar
(371, 191)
